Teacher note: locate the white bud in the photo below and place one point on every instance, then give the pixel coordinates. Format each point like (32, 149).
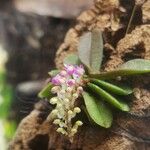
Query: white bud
(70, 113)
(69, 89)
(56, 121)
(73, 131)
(79, 123)
(60, 115)
(53, 100)
(61, 130)
(66, 100)
(77, 110)
(80, 89)
(54, 112)
(62, 92)
(75, 95)
(62, 124)
(55, 89)
(59, 105)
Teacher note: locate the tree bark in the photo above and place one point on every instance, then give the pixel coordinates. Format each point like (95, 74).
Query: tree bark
(130, 131)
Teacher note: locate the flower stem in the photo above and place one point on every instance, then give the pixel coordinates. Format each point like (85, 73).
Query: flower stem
(131, 18)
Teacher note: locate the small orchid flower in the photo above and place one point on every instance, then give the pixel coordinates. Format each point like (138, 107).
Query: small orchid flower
(71, 82)
(63, 73)
(79, 70)
(58, 80)
(68, 87)
(70, 69)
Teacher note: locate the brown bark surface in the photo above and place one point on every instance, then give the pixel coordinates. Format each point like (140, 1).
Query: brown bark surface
(130, 131)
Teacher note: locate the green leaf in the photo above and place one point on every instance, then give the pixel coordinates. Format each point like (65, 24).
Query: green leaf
(46, 91)
(53, 73)
(97, 110)
(88, 116)
(90, 50)
(109, 98)
(72, 59)
(132, 67)
(112, 88)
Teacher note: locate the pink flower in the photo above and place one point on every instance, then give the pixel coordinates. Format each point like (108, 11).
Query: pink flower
(78, 71)
(69, 76)
(69, 69)
(71, 82)
(58, 80)
(63, 73)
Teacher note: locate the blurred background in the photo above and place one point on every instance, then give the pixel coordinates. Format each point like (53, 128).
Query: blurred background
(30, 33)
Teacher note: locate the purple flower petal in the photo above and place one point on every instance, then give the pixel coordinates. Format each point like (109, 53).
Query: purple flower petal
(69, 69)
(57, 80)
(71, 82)
(79, 70)
(63, 73)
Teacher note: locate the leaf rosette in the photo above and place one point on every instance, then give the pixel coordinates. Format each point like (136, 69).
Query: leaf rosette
(99, 93)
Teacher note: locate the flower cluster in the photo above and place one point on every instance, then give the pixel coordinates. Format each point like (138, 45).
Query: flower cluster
(68, 87)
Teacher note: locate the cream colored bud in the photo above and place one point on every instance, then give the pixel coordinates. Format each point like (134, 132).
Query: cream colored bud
(62, 92)
(75, 95)
(77, 110)
(59, 105)
(79, 123)
(60, 116)
(56, 121)
(53, 100)
(73, 131)
(70, 112)
(66, 100)
(54, 112)
(61, 124)
(61, 130)
(55, 89)
(80, 89)
(69, 89)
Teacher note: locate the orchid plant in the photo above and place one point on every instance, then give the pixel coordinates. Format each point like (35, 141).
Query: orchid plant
(81, 77)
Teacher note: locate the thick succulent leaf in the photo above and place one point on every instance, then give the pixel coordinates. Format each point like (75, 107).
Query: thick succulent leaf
(72, 59)
(91, 50)
(96, 50)
(88, 116)
(46, 91)
(112, 88)
(109, 98)
(53, 73)
(132, 67)
(98, 111)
